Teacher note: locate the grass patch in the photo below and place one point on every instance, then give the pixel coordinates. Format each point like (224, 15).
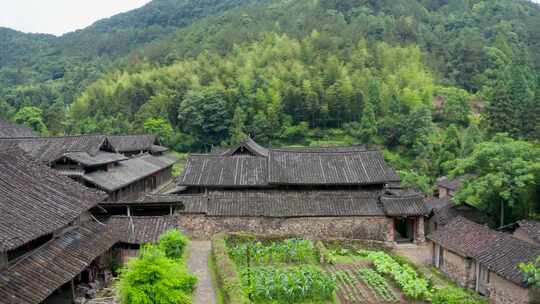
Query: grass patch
(220, 299)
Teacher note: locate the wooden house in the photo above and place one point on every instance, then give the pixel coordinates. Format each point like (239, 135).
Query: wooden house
(482, 259)
(317, 192)
(96, 162)
(48, 238)
(9, 130)
(130, 145)
(134, 231)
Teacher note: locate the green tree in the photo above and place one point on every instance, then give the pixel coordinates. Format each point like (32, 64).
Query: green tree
(154, 278)
(506, 172)
(450, 148)
(418, 124)
(471, 137)
(205, 115)
(33, 118)
(238, 126)
(160, 127)
(368, 124)
(173, 243)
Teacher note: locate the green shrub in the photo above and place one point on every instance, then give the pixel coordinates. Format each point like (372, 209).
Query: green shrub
(288, 285)
(173, 243)
(154, 278)
(226, 273)
(453, 295)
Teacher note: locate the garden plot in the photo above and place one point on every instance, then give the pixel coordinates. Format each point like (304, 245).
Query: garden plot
(380, 277)
(282, 271)
(358, 283)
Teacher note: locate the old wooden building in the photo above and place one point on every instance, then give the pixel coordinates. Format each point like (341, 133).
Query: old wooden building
(48, 238)
(317, 192)
(10, 130)
(122, 166)
(483, 259)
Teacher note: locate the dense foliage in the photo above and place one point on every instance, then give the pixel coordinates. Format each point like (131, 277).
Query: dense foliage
(531, 271)
(158, 275)
(506, 180)
(173, 243)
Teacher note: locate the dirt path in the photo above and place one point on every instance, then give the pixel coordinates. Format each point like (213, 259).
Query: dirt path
(199, 252)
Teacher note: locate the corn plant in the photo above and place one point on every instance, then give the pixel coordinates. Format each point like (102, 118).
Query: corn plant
(290, 285)
(287, 251)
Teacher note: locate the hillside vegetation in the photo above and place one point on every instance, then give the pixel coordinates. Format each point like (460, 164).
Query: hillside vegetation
(432, 81)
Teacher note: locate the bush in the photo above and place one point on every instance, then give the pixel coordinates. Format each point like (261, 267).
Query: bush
(154, 278)
(226, 273)
(173, 243)
(452, 295)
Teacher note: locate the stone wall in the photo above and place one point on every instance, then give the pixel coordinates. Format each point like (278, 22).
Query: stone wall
(502, 291)
(458, 268)
(372, 228)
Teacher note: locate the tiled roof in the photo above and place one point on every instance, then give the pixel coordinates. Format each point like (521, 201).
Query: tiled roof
(452, 184)
(505, 254)
(34, 277)
(35, 200)
(129, 171)
(464, 237)
(355, 165)
(409, 205)
(184, 203)
(328, 168)
(49, 149)
(247, 144)
(128, 143)
(279, 203)
(9, 130)
(101, 158)
(444, 210)
(158, 148)
(140, 229)
(224, 171)
(532, 228)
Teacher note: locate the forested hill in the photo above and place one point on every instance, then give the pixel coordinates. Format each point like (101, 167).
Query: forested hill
(72, 61)
(433, 81)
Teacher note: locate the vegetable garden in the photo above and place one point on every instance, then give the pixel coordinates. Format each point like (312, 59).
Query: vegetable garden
(272, 271)
(282, 271)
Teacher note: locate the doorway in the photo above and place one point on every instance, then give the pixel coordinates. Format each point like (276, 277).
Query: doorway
(404, 230)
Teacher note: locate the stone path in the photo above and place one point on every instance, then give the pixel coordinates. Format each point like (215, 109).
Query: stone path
(199, 253)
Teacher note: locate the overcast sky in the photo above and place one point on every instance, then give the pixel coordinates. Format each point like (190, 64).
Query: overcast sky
(59, 16)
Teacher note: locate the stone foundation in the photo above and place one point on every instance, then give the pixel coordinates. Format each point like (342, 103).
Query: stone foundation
(502, 291)
(458, 269)
(371, 228)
